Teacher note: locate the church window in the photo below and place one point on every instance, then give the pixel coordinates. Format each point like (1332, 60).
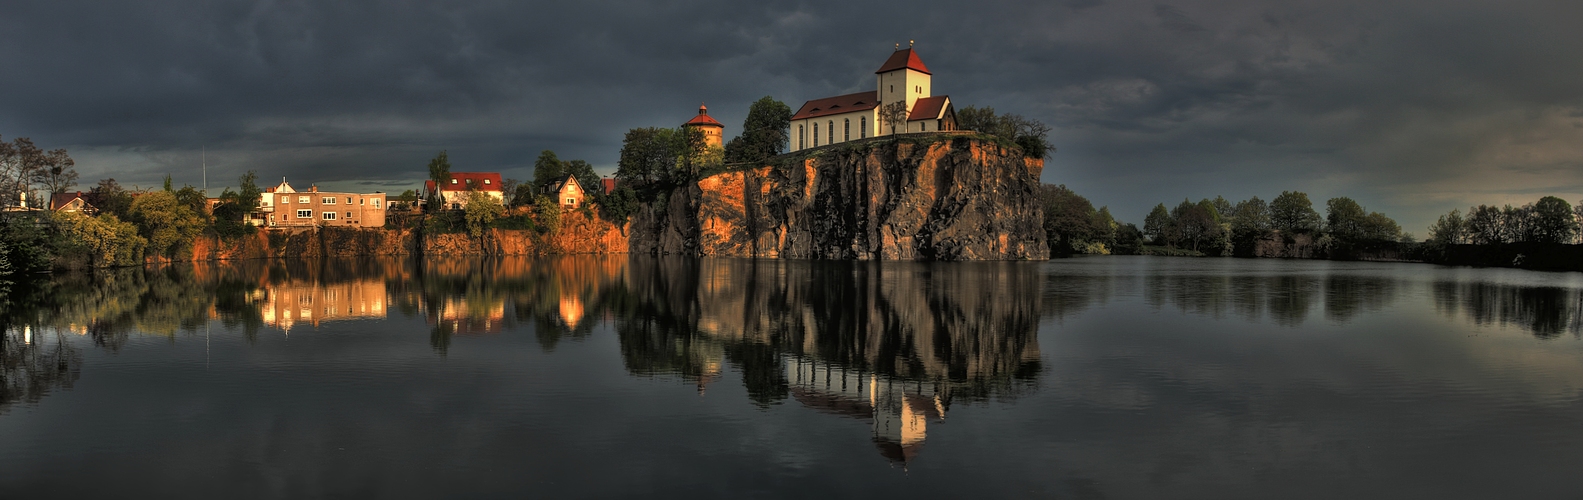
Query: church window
(862, 127)
(846, 130)
(799, 137)
(816, 135)
(829, 130)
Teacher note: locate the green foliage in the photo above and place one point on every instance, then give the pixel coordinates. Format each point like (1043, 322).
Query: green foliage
(1291, 212)
(646, 155)
(547, 212)
(1129, 240)
(106, 240)
(619, 205)
(168, 225)
(1485, 224)
(1156, 224)
(766, 132)
(1449, 229)
(524, 195)
(440, 173)
(480, 212)
(1032, 136)
(109, 197)
(29, 246)
(547, 168)
(584, 172)
(1072, 225)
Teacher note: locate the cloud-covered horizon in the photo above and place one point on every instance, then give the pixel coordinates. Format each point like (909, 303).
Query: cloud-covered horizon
(1411, 107)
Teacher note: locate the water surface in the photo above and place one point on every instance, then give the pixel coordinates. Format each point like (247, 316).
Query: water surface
(1106, 377)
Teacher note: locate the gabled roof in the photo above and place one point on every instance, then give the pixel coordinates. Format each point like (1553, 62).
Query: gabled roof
(703, 119)
(557, 185)
(480, 181)
(928, 108)
(837, 105)
(58, 201)
(904, 59)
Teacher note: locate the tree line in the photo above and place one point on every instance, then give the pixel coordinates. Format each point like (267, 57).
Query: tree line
(1549, 220)
(1212, 226)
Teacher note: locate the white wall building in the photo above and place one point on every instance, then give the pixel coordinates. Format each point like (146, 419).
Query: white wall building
(902, 79)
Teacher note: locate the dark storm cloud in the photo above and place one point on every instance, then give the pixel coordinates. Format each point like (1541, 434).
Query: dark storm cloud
(1411, 107)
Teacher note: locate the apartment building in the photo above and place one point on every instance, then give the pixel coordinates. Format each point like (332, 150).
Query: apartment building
(285, 207)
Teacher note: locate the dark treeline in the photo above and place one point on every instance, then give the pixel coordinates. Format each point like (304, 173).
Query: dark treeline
(1540, 235)
(1289, 224)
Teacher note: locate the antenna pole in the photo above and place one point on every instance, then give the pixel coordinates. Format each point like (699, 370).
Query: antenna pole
(204, 157)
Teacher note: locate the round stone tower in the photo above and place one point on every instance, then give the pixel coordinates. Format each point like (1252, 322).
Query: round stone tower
(713, 130)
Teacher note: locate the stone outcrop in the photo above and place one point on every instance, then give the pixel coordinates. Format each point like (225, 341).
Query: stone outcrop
(581, 232)
(919, 198)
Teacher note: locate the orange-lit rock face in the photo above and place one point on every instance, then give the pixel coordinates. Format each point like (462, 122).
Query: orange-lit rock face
(956, 198)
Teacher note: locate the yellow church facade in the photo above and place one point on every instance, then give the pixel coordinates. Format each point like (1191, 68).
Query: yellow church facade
(904, 79)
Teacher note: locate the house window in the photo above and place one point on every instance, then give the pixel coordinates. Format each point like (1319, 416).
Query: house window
(846, 130)
(327, 200)
(304, 214)
(486, 182)
(329, 216)
(375, 202)
(892, 89)
(816, 135)
(571, 201)
(302, 199)
(919, 89)
(348, 215)
(862, 127)
(453, 181)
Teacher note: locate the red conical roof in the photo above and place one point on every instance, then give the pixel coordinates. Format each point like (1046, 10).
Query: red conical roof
(703, 118)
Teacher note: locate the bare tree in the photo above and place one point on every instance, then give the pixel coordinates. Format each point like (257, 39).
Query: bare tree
(894, 114)
(19, 160)
(55, 171)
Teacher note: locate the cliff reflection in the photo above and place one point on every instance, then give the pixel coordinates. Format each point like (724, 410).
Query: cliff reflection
(893, 343)
(1546, 312)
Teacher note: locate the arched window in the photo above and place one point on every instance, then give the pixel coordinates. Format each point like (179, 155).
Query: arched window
(799, 137)
(829, 130)
(846, 130)
(816, 134)
(862, 127)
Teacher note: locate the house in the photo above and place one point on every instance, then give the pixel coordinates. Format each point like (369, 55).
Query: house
(71, 202)
(567, 191)
(903, 79)
(284, 207)
(608, 185)
(453, 194)
(714, 131)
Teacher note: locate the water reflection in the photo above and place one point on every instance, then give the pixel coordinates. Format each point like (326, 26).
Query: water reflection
(32, 364)
(1545, 311)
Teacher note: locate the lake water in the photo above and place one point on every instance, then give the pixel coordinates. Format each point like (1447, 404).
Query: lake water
(1102, 377)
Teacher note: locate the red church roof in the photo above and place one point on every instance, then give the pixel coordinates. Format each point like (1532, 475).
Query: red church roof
(927, 108)
(482, 181)
(703, 118)
(904, 58)
(837, 105)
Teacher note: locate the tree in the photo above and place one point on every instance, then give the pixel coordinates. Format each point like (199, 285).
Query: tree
(1553, 221)
(1345, 218)
(524, 195)
(982, 120)
(646, 154)
(547, 212)
(1030, 135)
(20, 161)
(440, 171)
(168, 225)
(619, 205)
(508, 190)
(1291, 212)
(766, 132)
(1377, 227)
(55, 171)
(1517, 223)
(1194, 223)
(109, 197)
(1577, 212)
(1484, 225)
(893, 115)
(480, 212)
(548, 168)
(1450, 229)
(1156, 224)
(1222, 207)
(106, 240)
(1250, 218)
(1070, 221)
(193, 199)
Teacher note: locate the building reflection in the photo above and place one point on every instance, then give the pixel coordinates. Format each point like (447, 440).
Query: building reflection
(898, 410)
(287, 304)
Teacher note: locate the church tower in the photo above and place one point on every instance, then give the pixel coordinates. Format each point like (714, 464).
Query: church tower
(903, 77)
(713, 130)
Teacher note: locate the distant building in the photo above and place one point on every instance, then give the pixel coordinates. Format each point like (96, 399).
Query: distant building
(567, 191)
(284, 207)
(71, 202)
(608, 185)
(453, 194)
(901, 79)
(714, 131)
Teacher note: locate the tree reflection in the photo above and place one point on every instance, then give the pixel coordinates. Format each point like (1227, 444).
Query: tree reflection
(1288, 300)
(1546, 312)
(33, 363)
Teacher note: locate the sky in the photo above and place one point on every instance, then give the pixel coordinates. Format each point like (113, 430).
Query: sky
(1412, 108)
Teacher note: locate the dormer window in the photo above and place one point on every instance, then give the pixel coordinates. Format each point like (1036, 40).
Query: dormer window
(453, 181)
(486, 181)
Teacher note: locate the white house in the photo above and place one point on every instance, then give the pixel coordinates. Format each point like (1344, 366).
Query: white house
(902, 79)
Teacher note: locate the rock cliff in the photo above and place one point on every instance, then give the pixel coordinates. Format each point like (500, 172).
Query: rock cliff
(939, 197)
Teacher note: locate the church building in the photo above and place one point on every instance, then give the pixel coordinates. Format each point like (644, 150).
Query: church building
(901, 79)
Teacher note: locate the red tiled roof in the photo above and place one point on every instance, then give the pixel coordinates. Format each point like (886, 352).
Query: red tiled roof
(468, 180)
(928, 108)
(703, 118)
(837, 105)
(58, 201)
(904, 58)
